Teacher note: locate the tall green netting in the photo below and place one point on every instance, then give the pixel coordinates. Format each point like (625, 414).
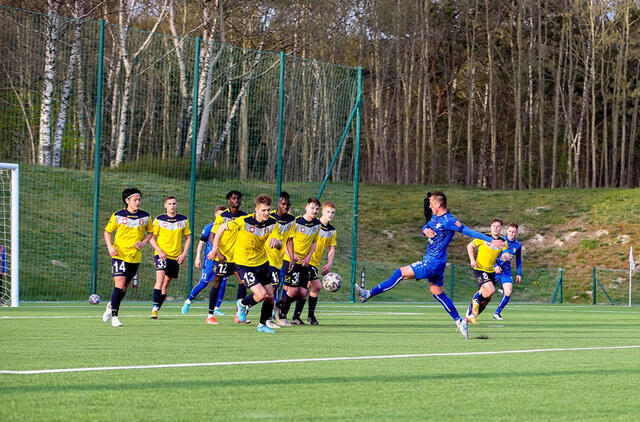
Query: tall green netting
(538, 284)
(612, 287)
(148, 140)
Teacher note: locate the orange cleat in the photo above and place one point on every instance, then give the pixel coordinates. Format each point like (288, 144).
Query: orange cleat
(212, 320)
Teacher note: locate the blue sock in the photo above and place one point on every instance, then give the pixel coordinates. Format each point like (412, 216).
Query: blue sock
(389, 284)
(223, 285)
(197, 289)
(503, 303)
(448, 305)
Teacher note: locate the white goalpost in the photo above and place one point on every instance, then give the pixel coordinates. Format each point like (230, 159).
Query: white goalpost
(9, 239)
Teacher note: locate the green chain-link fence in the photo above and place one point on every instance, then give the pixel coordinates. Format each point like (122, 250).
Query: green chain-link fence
(168, 115)
(611, 287)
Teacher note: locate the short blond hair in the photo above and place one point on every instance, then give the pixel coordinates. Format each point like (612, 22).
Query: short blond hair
(328, 204)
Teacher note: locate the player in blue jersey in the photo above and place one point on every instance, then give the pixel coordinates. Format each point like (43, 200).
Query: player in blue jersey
(439, 230)
(207, 273)
(503, 268)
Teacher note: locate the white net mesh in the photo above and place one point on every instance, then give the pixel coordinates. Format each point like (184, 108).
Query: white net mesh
(5, 236)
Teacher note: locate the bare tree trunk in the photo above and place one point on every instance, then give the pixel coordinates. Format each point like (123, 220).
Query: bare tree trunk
(68, 84)
(541, 83)
(450, 91)
(183, 127)
(492, 121)
(623, 88)
(556, 108)
(51, 44)
(592, 33)
(517, 145)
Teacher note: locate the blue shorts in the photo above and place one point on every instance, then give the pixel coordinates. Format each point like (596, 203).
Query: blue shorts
(430, 270)
(503, 278)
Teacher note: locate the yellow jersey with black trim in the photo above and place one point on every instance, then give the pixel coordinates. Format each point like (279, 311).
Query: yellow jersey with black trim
(251, 236)
(487, 255)
(169, 232)
(228, 238)
(131, 228)
(286, 227)
(306, 232)
(326, 238)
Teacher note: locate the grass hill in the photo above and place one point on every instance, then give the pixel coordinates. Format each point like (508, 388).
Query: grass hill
(576, 229)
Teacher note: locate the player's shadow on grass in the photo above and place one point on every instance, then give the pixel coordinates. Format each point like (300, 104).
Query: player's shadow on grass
(55, 386)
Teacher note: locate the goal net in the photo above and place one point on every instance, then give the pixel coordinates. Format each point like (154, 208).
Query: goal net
(9, 269)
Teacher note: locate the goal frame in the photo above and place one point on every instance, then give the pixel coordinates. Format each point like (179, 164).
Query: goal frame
(14, 265)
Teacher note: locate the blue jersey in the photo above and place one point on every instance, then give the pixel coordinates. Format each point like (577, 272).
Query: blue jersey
(444, 227)
(514, 248)
(206, 231)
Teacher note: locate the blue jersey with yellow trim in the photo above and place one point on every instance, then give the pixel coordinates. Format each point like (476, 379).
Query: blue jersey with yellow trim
(514, 248)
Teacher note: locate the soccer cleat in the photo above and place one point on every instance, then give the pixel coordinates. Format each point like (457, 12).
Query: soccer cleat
(107, 313)
(463, 327)
(241, 314)
(472, 320)
(282, 320)
(265, 329)
(115, 322)
(497, 316)
(272, 324)
(475, 307)
(364, 294)
(212, 320)
(312, 320)
(154, 314)
(185, 307)
(297, 321)
(218, 312)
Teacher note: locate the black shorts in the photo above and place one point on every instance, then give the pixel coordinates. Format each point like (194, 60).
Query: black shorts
(120, 268)
(483, 277)
(252, 276)
(300, 276)
(224, 269)
(170, 266)
(275, 276)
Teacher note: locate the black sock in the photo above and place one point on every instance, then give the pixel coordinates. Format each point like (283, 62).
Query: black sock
(249, 301)
(156, 297)
(213, 298)
(300, 302)
(116, 298)
(162, 299)
(242, 291)
(265, 312)
(286, 304)
(313, 301)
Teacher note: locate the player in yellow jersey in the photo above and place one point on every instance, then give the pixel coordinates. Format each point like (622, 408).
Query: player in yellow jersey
(279, 261)
(326, 239)
(133, 230)
(307, 227)
(483, 268)
(252, 232)
(168, 231)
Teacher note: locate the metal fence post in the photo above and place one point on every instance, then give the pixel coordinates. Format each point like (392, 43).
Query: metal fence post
(194, 169)
(280, 126)
(595, 277)
(356, 187)
(96, 162)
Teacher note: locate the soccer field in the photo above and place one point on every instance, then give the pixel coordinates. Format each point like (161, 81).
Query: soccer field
(374, 361)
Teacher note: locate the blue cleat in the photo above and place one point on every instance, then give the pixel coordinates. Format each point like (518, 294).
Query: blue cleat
(185, 307)
(264, 329)
(242, 311)
(218, 312)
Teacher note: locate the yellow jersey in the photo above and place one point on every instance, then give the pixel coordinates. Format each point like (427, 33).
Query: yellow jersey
(487, 255)
(250, 238)
(228, 238)
(131, 228)
(286, 227)
(169, 232)
(326, 238)
(305, 233)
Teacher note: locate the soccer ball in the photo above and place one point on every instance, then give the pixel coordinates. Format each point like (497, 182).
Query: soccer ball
(94, 299)
(332, 282)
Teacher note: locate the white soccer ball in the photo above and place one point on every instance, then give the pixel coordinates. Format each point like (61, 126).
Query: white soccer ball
(94, 299)
(332, 282)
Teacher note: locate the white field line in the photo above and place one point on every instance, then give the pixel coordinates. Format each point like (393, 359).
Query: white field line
(333, 359)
